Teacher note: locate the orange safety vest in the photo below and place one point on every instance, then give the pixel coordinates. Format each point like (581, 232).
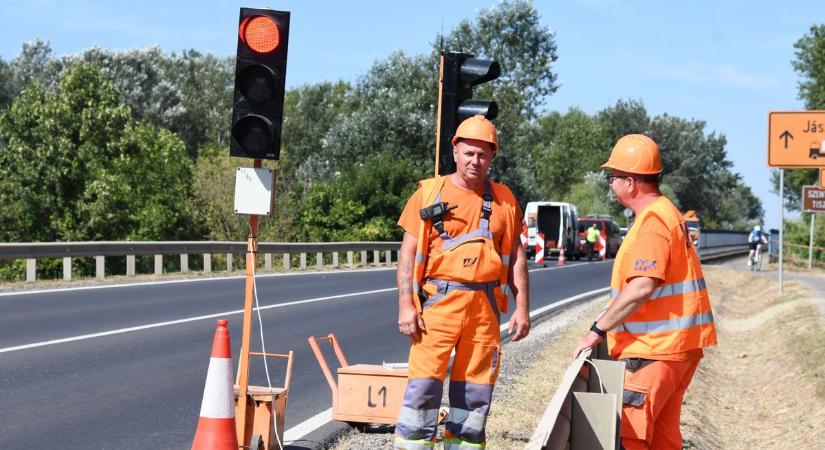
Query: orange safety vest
(677, 317)
(490, 265)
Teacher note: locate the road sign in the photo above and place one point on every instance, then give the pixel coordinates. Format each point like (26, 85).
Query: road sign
(822, 178)
(795, 139)
(813, 199)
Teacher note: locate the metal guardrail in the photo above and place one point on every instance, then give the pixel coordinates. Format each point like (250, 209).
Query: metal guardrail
(32, 251)
(712, 244)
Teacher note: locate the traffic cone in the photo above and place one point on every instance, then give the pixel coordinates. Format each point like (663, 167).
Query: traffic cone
(216, 425)
(562, 260)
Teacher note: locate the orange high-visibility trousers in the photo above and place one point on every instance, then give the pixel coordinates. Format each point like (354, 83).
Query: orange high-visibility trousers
(653, 404)
(468, 321)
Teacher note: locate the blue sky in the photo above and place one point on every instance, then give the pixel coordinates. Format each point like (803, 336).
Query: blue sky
(727, 62)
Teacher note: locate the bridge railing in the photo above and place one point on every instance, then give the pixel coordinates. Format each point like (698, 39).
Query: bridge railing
(712, 244)
(100, 250)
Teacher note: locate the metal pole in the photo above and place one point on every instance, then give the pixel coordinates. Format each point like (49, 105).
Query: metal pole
(781, 224)
(811, 243)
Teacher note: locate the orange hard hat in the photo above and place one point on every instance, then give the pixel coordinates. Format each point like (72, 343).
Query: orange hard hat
(477, 127)
(635, 153)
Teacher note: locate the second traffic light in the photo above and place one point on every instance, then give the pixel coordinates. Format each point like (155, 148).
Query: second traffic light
(260, 75)
(459, 73)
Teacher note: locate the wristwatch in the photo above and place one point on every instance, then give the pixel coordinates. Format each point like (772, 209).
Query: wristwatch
(597, 330)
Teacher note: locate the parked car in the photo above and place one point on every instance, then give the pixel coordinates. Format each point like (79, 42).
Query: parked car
(556, 220)
(609, 229)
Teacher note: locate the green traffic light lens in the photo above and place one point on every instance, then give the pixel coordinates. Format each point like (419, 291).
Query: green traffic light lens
(253, 133)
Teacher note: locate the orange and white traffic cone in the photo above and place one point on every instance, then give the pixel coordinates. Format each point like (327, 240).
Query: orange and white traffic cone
(562, 260)
(216, 425)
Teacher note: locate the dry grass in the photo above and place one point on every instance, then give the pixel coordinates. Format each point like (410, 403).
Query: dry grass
(762, 387)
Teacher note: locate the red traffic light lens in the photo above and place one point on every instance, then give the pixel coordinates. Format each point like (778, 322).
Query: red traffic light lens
(260, 33)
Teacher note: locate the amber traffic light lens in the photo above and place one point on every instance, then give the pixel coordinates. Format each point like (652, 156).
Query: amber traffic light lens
(260, 33)
(257, 82)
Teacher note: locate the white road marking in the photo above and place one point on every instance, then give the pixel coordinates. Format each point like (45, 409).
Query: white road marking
(188, 319)
(188, 280)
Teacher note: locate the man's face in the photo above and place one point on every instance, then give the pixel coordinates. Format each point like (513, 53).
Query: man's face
(472, 159)
(620, 183)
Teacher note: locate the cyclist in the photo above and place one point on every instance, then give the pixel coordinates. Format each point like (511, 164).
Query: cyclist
(755, 239)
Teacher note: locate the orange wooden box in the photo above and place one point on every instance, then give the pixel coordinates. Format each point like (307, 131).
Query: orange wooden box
(364, 393)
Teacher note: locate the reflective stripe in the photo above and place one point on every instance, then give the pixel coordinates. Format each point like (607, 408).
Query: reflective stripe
(682, 287)
(678, 288)
(464, 419)
(419, 444)
(505, 289)
(661, 326)
(416, 287)
(458, 444)
(483, 232)
(505, 260)
(417, 418)
(419, 258)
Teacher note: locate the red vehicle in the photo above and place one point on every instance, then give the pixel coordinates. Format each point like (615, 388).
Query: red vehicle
(609, 229)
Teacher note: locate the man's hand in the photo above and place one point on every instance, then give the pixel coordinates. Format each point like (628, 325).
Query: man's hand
(519, 324)
(410, 322)
(590, 340)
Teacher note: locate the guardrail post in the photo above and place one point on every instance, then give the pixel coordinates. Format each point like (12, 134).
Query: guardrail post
(319, 260)
(388, 257)
(303, 261)
(31, 270)
(287, 261)
(335, 259)
(184, 262)
(158, 264)
(268, 261)
(100, 267)
(229, 262)
(349, 258)
(376, 257)
(207, 262)
(67, 268)
(364, 258)
(130, 265)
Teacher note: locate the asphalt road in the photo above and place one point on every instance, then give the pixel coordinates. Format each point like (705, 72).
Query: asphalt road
(124, 367)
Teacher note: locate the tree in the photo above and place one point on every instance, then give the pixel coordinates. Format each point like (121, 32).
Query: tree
(573, 145)
(77, 168)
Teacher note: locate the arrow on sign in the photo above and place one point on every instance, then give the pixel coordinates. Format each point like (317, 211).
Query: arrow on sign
(785, 136)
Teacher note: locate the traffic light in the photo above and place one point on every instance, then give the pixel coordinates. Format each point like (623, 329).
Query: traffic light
(260, 73)
(459, 73)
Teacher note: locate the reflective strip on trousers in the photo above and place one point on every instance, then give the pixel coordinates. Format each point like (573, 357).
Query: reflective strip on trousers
(469, 423)
(682, 287)
(458, 444)
(661, 326)
(417, 420)
(407, 444)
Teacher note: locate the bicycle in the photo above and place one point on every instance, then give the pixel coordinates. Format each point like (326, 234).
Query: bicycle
(756, 259)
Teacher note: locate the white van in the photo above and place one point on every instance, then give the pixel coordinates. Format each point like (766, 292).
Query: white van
(557, 221)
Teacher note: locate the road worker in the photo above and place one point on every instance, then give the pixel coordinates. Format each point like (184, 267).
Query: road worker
(658, 318)
(592, 236)
(460, 255)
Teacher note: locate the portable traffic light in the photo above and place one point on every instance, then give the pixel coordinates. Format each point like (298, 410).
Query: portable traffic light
(459, 73)
(260, 74)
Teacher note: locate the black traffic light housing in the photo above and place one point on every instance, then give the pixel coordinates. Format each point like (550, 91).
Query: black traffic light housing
(460, 72)
(260, 75)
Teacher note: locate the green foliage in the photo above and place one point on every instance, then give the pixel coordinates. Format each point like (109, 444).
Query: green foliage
(364, 205)
(77, 168)
(593, 195)
(574, 144)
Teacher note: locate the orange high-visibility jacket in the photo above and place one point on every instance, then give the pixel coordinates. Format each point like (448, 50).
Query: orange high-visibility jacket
(504, 203)
(677, 317)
